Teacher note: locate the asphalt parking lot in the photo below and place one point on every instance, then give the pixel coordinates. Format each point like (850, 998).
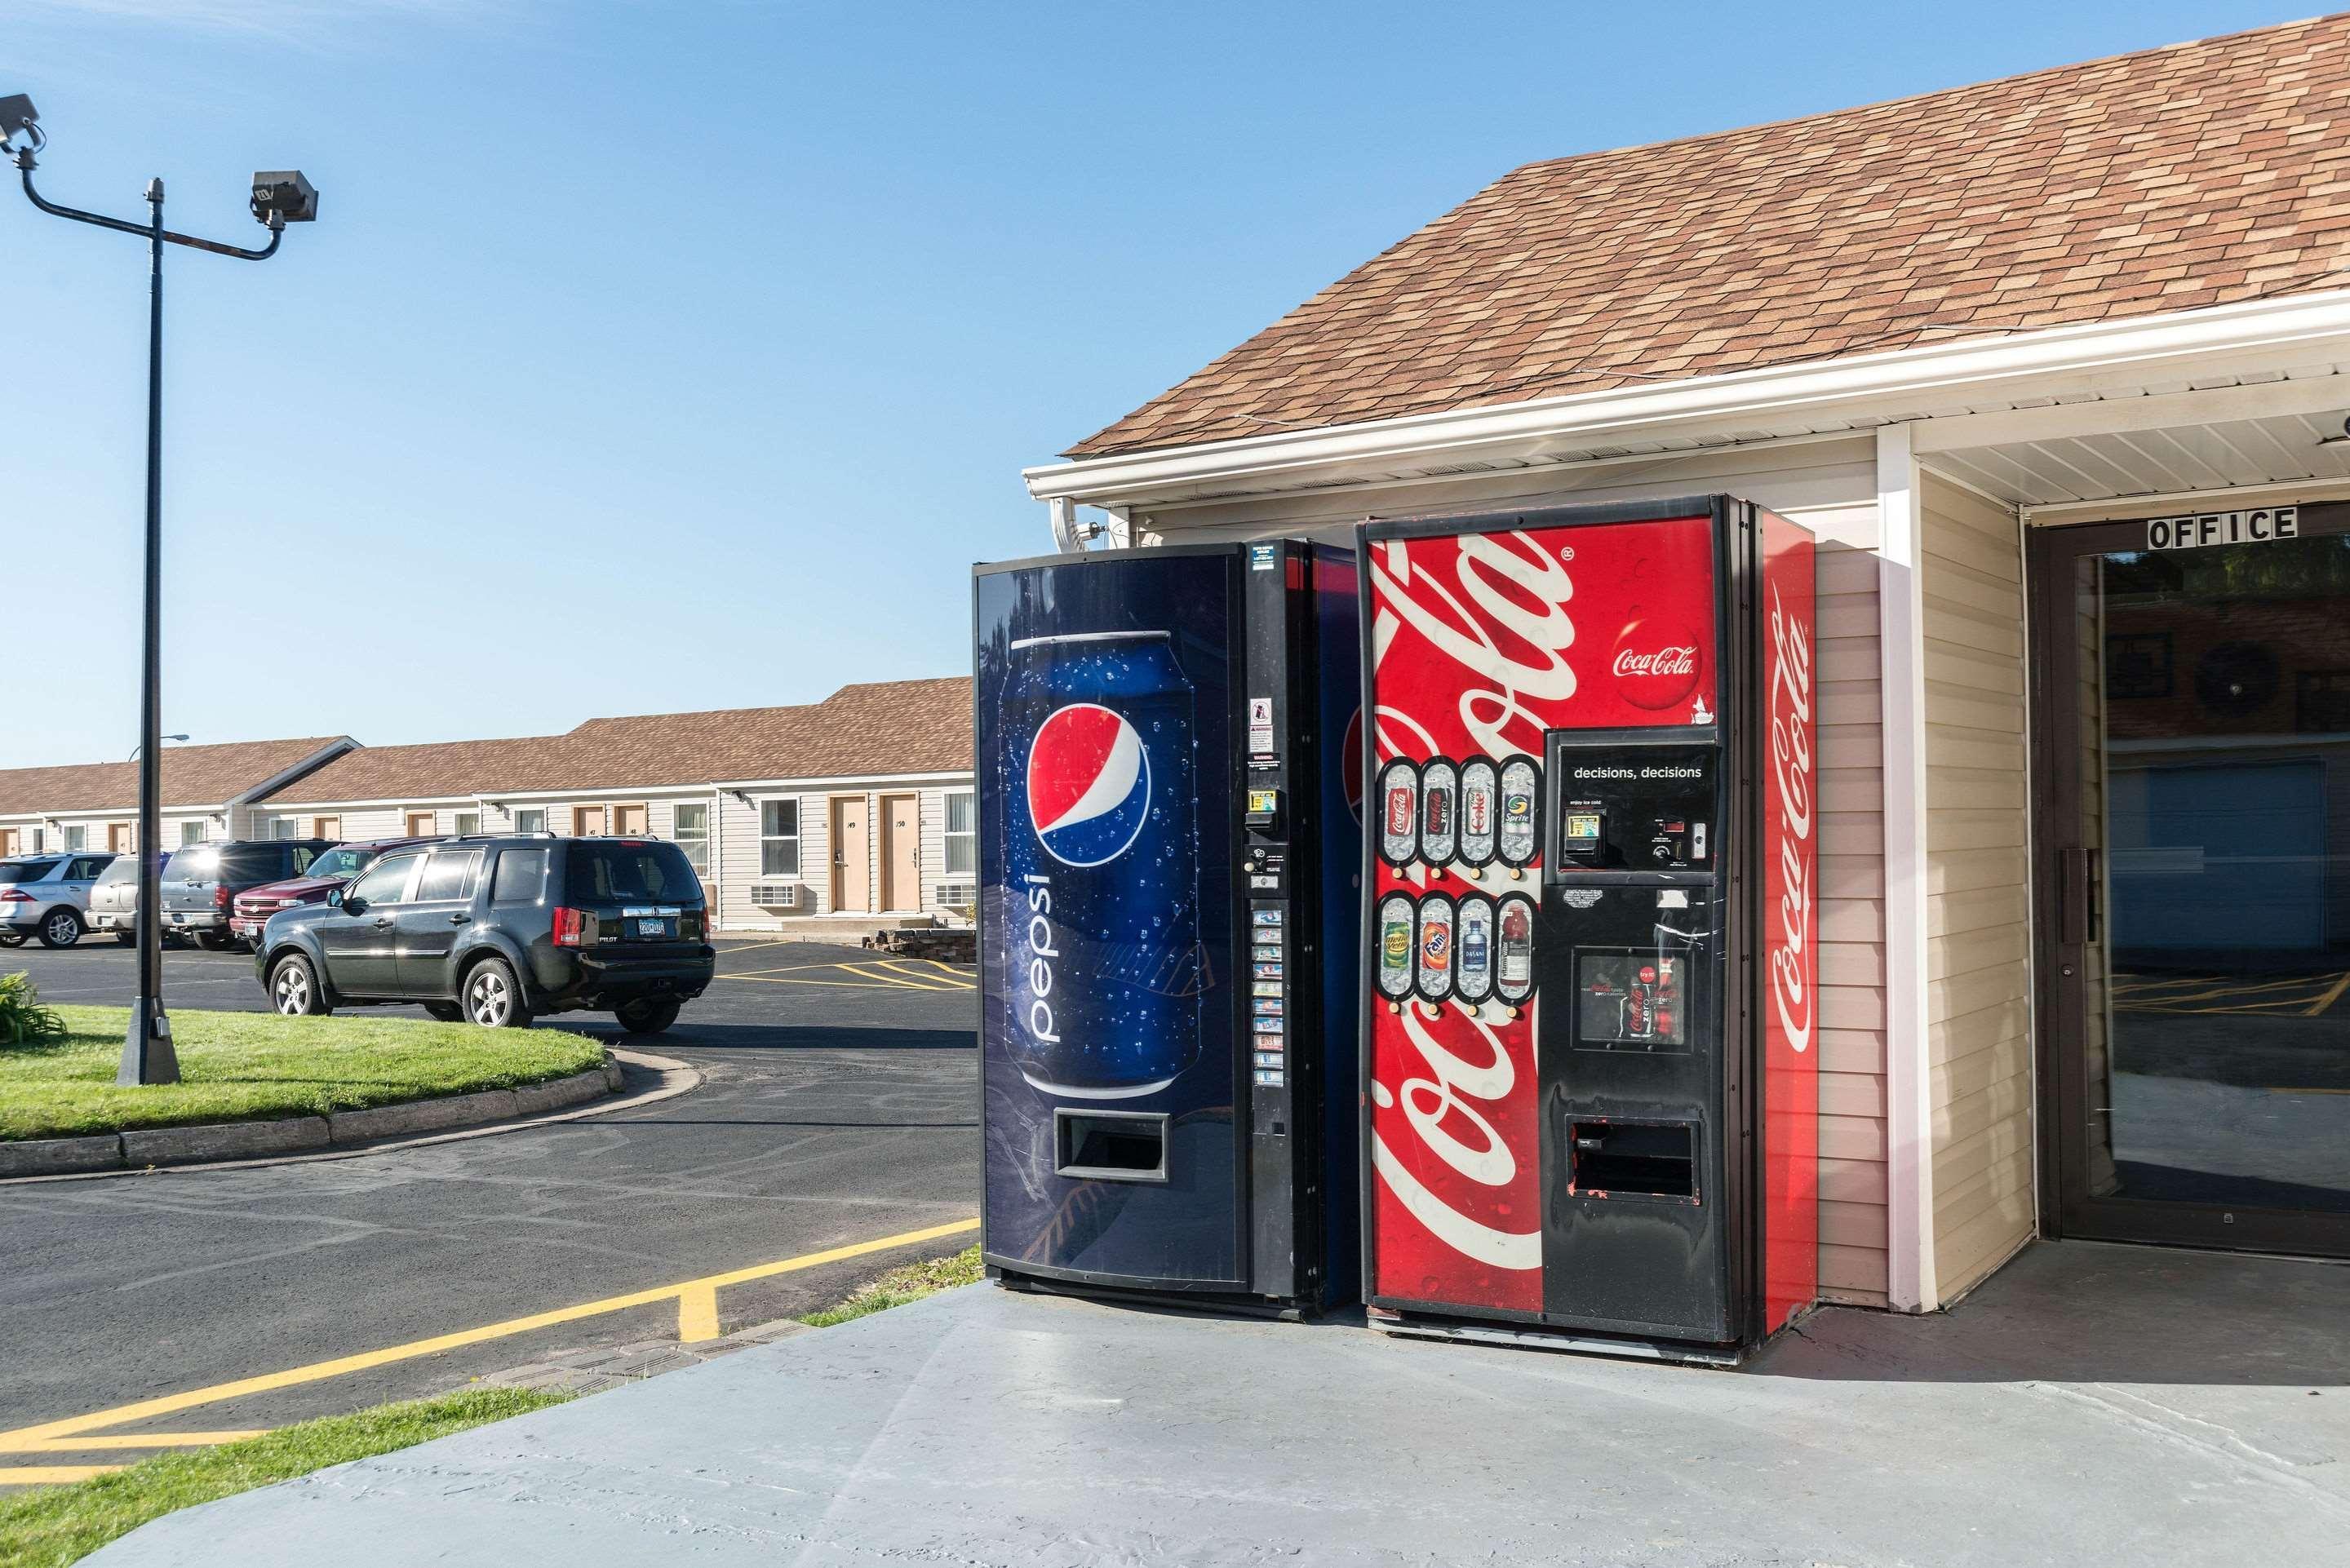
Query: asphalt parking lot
(838, 1106)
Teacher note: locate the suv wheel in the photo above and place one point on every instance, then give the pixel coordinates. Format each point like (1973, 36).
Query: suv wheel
(60, 928)
(649, 1016)
(294, 988)
(493, 996)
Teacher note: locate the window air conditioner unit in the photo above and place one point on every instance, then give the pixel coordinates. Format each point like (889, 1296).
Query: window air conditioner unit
(775, 895)
(957, 895)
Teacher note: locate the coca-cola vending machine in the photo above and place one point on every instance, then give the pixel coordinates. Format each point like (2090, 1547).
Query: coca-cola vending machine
(1168, 799)
(1590, 1116)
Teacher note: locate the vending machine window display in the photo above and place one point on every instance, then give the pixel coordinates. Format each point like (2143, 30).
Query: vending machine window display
(1169, 830)
(1590, 1116)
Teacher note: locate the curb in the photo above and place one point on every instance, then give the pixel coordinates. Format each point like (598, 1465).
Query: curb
(143, 1149)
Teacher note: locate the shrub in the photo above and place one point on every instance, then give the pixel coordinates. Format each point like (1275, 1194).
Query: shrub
(22, 1019)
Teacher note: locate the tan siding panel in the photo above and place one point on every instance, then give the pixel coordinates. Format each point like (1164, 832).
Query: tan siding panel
(1977, 913)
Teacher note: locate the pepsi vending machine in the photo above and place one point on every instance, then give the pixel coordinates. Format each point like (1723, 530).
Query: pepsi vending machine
(1168, 795)
(1591, 1108)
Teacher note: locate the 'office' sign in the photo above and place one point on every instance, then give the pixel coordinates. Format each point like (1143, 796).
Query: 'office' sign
(2223, 528)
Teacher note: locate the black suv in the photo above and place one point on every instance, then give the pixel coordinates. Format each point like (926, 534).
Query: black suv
(499, 930)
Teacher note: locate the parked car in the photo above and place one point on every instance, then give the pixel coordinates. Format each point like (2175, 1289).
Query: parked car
(45, 896)
(250, 911)
(500, 930)
(114, 900)
(200, 881)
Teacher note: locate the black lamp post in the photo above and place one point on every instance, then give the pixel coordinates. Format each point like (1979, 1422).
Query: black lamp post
(278, 198)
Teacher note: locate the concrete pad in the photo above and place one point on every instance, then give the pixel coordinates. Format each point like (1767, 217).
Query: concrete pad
(2077, 1411)
(222, 1140)
(422, 1116)
(59, 1156)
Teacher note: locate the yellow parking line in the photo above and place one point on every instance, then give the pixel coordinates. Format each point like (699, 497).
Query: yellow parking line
(796, 979)
(2317, 1008)
(697, 1315)
(946, 967)
(955, 981)
(51, 1475)
(133, 1440)
(892, 979)
(319, 1371)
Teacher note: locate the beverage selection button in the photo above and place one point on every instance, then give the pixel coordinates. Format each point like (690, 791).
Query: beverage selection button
(1265, 916)
(1264, 988)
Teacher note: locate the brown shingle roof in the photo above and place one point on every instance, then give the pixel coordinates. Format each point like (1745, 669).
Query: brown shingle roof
(2198, 174)
(192, 775)
(879, 728)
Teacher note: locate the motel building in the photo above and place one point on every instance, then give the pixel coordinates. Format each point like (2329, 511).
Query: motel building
(2054, 366)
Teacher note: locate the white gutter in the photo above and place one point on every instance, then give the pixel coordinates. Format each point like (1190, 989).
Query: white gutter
(1902, 384)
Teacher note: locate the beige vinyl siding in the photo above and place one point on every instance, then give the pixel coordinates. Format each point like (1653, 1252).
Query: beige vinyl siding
(1852, 929)
(736, 831)
(1978, 915)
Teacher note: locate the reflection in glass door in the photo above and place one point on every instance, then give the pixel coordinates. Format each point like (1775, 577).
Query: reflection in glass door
(2193, 753)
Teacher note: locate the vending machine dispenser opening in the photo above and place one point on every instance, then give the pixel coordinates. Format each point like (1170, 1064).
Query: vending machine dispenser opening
(1591, 1107)
(1169, 805)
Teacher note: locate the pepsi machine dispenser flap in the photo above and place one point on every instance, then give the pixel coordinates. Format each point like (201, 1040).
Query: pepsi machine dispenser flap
(1151, 773)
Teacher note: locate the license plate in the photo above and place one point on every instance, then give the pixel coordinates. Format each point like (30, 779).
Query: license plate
(655, 928)
(187, 920)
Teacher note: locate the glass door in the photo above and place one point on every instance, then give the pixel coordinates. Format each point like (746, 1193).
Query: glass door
(2191, 836)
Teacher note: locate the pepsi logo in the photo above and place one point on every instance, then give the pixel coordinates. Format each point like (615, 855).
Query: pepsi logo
(1654, 665)
(1088, 785)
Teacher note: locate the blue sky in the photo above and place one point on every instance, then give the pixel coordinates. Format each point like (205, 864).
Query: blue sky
(662, 356)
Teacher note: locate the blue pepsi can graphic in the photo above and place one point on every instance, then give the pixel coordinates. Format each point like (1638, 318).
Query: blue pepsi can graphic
(1101, 864)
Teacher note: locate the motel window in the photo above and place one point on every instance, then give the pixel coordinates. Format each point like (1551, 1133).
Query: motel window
(40, 839)
(533, 820)
(192, 833)
(779, 838)
(77, 838)
(278, 827)
(692, 831)
(962, 851)
(468, 822)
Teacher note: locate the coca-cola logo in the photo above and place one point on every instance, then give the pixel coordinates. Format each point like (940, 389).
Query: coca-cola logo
(1655, 666)
(1789, 708)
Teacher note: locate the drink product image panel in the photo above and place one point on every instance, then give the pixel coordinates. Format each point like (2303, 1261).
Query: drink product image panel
(1572, 1131)
(1153, 781)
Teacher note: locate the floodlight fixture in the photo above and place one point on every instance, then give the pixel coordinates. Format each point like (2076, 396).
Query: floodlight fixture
(283, 196)
(18, 117)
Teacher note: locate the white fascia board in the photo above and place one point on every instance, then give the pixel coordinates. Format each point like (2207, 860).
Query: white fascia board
(1958, 377)
(96, 813)
(788, 787)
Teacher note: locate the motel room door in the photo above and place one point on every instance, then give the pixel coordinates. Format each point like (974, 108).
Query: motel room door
(2191, 864)
(901, 857)
(852, 855)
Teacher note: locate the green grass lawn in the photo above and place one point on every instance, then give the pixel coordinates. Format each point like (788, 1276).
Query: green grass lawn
(253, 1066)
(909, 1282)
(52, 1526)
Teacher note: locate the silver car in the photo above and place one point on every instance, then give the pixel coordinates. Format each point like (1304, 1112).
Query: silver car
(114, 900)
(48, 896)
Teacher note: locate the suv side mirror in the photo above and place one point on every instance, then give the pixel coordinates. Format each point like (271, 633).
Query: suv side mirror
(335, 897)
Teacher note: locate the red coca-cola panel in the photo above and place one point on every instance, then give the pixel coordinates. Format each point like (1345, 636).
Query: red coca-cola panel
(1481, 642)
(1790, 927)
